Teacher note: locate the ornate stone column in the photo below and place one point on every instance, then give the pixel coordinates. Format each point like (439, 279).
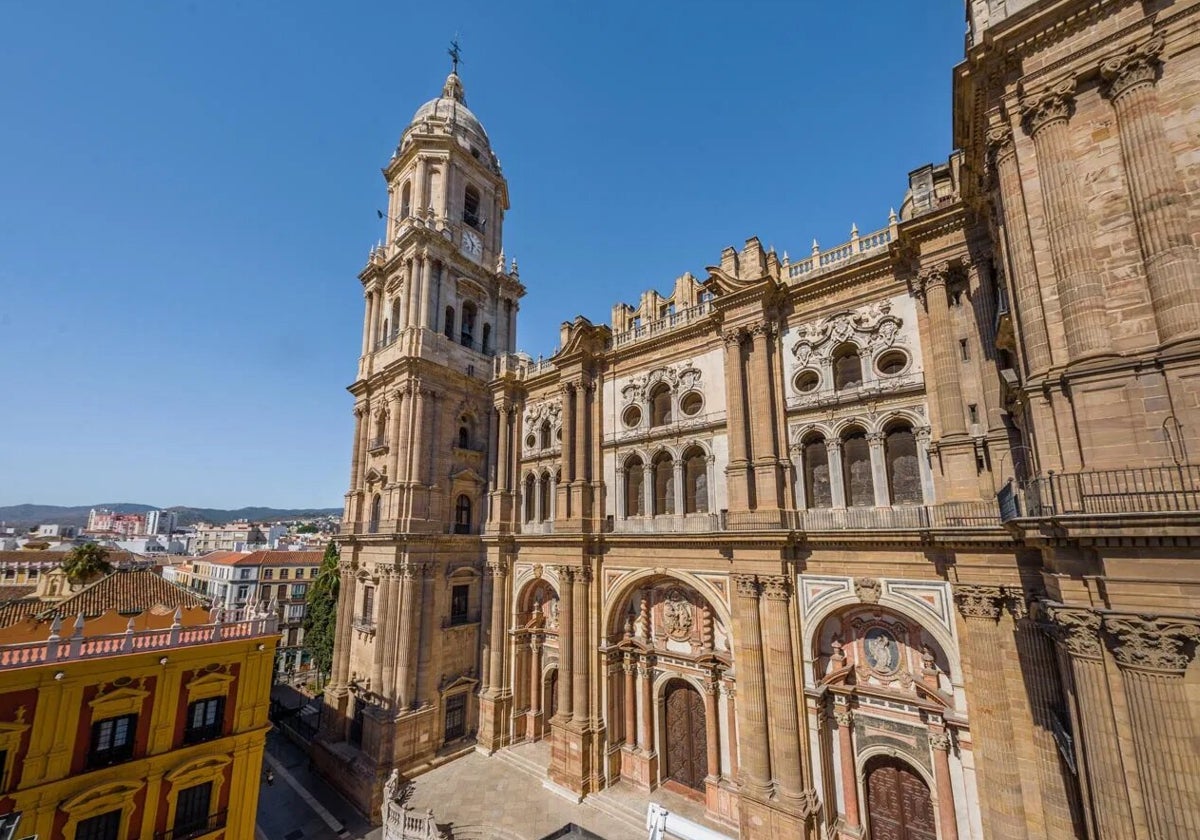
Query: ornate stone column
(755, 748)
(1031, 315)
(394, 436)
(583, 391)
(499, 570)
(535, 685)
(947, 820)
(503, 434)
(356, 458)
(932, 289)
(620, 494)
(762, 423)
(1155, 190)
(712, 728)
(990, 712)
(566, 629)
(645, 672)
(781, 687)
(677, 505)
(923, 435)
(345, 626)
(406, 662)
(1152, 654)
(385, 629)
(800, 485)
(647, 490)
(879, 478)
(368, 342)
(837, 479)
(1098, 752)
(630, 701)
(735, 393)
(845, 726)
(581, 653)
(1080, 287)
(731, 727)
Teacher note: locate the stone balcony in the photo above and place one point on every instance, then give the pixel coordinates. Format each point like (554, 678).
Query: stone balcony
(1104, 494)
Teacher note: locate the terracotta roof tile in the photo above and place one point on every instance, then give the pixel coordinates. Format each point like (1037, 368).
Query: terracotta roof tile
(13, 592)
(48, 556)
(287, 558)
(130, 591)
(11, 612)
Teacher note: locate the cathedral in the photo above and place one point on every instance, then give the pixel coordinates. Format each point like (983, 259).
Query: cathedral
(899, 539)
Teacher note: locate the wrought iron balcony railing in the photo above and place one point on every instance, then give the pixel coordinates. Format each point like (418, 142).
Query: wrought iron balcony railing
(1137, 490)
(194, 828)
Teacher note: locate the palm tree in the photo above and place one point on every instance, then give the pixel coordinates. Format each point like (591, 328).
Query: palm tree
(85, 562)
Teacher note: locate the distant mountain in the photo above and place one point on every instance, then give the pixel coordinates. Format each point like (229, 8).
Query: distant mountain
(26, 516)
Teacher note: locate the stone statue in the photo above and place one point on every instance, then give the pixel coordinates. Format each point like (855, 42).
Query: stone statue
(391, 787)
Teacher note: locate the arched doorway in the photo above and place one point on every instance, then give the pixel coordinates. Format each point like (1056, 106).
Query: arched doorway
(898, 802)
(686, 741)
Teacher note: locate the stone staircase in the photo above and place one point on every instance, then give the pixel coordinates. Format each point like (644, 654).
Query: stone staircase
(618, 809)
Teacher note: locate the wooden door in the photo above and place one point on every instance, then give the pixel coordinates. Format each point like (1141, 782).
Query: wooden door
(898, 802)
(686, 739)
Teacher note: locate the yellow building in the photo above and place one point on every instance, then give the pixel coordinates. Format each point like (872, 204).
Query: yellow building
(150, 726)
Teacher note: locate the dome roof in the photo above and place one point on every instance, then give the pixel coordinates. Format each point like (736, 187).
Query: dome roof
(451, 107)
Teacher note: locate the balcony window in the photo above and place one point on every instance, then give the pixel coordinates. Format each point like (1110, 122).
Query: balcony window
(660, 406)
(818, 491)
(456, 717)
(847, 368)
(283, 574)
(469, 314)
(299, 591)
(299, 574)
(106, 826)
(448, 324)
(368, 603)
(903, 472)
(464, 437)
(205, 721)
(406, 200)
(663, 469)
(695, 481)
(530, 489)
(544, 496)
(459, 601)
(856, 470)
(462, 515)
(268, 574)
(544, 435)
(112, 741)
(266, 592)
(191, 811)
(372, 524)
(634, 484)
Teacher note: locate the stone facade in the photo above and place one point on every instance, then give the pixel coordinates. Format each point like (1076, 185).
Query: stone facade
(895, 540)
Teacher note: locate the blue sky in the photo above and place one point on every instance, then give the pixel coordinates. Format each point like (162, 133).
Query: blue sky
(188, 192)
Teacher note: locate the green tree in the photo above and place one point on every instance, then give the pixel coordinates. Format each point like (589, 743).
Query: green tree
(85, 562)
(320, 619)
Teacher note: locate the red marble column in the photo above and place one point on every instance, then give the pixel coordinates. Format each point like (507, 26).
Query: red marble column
(947, 820)
(845, 720)
(630, 703)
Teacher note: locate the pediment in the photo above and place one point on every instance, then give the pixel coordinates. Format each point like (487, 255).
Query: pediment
(214, 684)
(205, 766)
(458, 683)
(119, 701)
(467, 474)
(100, 795)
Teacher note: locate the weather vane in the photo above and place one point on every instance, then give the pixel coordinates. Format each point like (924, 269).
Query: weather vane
(455, 53)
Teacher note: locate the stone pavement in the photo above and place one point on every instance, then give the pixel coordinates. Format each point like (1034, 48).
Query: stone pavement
(299, 806)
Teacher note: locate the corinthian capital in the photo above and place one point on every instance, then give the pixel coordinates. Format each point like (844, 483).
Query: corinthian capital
(1152, 643)
(1134, 68)
(979, 601)
(1049, 106)
(566, 574)
(932, 277)
(776, 587)
(746, 586)
(1000, 142)
(1076, 629)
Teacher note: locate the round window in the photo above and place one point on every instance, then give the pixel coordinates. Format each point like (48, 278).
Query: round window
(807, 381)
(691, 403)
(892, 362)
(632, 417)
(530, 442)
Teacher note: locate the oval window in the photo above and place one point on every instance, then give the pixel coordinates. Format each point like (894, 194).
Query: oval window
(632, 417)
(892, 362)
(691, 404)
(530, 442)
(807, 381)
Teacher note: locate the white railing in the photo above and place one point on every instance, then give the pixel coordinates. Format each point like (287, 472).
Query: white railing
(77, 646)
(520, 364)
(857, 246)
(400, 822)
(662, 325)
(662, 824)
(691, 523)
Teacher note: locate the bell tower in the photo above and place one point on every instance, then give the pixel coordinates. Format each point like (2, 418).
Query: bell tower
(440, 304)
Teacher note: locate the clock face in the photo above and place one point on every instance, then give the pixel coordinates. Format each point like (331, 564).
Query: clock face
(472, 245)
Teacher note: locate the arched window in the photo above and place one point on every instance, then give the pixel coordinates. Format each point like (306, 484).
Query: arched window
(376, 513)
(530, 484)
(847, 367)
(471, 207)
(544, 496)
(406, 200)
(856, 469)
(396, 315)
(634, 482)
(468, 325)
(695, 481)
(544, 435)
(660, 405)
(664, 484)
(903, 471)
(818, 491)
(383, 336)
(448, 329)
(486, 345)
(464, 437)
(462, 514)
